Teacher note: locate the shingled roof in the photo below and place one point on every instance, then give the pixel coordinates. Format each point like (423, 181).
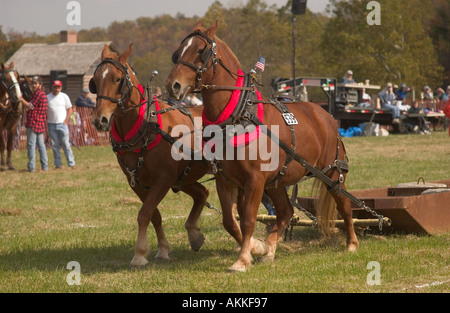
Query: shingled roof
(77, 58)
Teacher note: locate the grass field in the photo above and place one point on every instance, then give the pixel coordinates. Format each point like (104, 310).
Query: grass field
(88, 215)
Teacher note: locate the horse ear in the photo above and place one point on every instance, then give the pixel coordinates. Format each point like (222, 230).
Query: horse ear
(106, 52)
(124, 56)
(11, 65)
(198, 25)
(211, 32)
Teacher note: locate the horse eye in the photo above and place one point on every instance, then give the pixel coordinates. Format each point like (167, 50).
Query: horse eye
(118, 80)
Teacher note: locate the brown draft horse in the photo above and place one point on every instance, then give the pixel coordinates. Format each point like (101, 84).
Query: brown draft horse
(10, 111)
(150, 173)
(205, 63)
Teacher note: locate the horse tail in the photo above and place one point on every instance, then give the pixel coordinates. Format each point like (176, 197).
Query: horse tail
(325, 207)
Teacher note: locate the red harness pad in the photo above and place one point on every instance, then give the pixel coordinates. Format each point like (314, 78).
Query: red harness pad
(242, 139)
(137, 125)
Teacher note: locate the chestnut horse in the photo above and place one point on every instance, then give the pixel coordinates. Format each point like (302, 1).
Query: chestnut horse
(138, 132)
(205, 63)
(10, 111)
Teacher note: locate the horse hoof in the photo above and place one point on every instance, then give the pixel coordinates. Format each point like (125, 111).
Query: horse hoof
(352, 247)
(138, 267)
(138, 262)
(162, 255)
(234, 269)
(196, 244)
(268, 258)
(161, 260)
(260, 248)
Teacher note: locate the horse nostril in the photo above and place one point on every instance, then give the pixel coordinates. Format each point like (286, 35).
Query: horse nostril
(104, 121)
(176, 87)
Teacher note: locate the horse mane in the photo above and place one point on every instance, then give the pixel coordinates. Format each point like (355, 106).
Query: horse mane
(202, 29)
(229, 51)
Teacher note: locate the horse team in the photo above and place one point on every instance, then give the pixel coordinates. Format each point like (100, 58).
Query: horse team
(141, 127)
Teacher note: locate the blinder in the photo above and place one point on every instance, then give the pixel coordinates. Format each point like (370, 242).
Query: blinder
(175, 56)
(207, 54)
(92, 86)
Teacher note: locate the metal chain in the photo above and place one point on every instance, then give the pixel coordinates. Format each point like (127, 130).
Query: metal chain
(298, 206)
(210, 206)
(371, 211)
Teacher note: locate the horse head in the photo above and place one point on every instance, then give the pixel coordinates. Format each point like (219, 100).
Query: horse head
(10, 84)
(24, 83)
(196, 61)
(112, 82)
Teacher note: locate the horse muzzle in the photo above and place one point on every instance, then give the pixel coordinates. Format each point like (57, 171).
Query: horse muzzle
(102, 122)
(176, 90)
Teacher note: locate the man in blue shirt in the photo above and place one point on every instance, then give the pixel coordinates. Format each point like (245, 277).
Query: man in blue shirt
(402, 92)
(84, 101)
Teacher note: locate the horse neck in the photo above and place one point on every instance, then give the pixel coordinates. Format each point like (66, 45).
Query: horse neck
(216, 100)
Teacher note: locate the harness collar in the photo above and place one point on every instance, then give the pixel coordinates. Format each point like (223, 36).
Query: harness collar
(234, 112)
(136, 138)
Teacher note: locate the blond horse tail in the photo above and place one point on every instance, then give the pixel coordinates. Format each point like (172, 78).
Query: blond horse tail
(325, 208)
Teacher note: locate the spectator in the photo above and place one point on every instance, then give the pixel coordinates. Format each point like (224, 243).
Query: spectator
(402, 92)
(440, 95)
(59, 112)
(429, 97)
(419, 126)
(387, 101)
(427, 93)
(192, 100)
(84, 101)
(35, 124)
(75, 125)
(348, 78)
(446, 95)
(84, 104)
(366, 100)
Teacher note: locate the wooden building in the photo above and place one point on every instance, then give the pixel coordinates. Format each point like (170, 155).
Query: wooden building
(70, 61)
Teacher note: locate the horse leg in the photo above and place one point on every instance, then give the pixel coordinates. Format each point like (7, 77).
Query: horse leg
(284, 212)
(344, 208)
(2, 152)
(163, 244)
(199, 194)
(146, 214)
(9, 147)
(248, 204)
(228, 200)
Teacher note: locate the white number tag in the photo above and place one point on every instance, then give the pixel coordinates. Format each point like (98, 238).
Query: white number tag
(290, 119)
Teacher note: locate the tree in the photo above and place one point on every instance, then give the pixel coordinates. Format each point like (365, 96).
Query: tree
(399, 50)
(440, 34)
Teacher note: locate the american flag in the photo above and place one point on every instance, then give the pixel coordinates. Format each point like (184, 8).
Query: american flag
(260, 64)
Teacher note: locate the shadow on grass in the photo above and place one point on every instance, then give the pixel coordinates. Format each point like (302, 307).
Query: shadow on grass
(113, 258)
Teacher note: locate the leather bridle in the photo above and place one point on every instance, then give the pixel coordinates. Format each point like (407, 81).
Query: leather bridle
(125, 87)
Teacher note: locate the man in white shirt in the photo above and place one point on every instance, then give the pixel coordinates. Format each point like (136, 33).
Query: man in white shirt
(59, 111)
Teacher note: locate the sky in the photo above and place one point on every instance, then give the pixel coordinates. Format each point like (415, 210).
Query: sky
(51, 16)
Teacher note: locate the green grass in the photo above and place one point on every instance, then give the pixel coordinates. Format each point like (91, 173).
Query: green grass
(88, 215)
